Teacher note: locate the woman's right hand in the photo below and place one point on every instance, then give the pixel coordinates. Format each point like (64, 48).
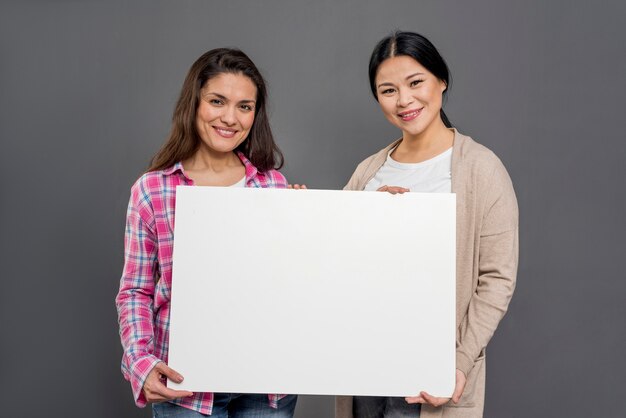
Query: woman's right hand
(297, 186)
(154, 388)
(393, 189)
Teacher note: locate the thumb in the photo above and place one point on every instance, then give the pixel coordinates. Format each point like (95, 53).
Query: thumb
(459, 387)
(167, 371)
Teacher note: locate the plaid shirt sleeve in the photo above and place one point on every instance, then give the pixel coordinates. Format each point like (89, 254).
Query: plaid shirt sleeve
(135, 299)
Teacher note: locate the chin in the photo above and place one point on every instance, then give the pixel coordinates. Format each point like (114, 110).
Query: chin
(225, 145)
(414, 131)
(418, 128)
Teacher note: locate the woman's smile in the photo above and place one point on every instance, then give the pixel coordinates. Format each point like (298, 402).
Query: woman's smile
(225, 132)
(409, 115)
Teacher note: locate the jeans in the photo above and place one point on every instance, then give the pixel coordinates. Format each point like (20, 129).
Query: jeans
(232, 405)
(384, 407)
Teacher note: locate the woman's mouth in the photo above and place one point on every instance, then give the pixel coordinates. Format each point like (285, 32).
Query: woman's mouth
(225, 132)
(409, 115)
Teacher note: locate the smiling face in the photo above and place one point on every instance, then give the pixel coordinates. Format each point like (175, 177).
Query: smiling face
(226, 111)
(410, 96)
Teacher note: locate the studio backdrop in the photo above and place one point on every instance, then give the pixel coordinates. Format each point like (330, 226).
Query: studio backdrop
(87, 93)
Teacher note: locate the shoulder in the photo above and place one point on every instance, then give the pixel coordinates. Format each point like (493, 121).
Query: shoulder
(473, 152)
(480, 169)
(369, 161)
(148, 182)
(145, 187)
(477, 158)
(484, 174)
(272, 179)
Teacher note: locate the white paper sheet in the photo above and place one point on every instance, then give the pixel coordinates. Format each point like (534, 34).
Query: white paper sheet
(313, 292)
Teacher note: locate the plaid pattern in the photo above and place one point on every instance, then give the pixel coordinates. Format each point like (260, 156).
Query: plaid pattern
(143, 301)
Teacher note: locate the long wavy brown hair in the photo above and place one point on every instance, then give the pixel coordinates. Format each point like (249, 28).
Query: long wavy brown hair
(183, 141)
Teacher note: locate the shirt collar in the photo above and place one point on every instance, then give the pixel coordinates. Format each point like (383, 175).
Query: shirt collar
(173, 169)
(251, 170)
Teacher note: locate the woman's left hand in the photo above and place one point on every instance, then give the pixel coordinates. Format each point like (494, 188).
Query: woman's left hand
(434, 401)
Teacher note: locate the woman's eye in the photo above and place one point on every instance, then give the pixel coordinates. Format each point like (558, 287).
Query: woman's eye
(387, 91)
(216, 102)
(247, 108)
(415, 82)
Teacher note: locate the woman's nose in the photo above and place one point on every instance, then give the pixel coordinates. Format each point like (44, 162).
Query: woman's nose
(404, 98)
(228, 116)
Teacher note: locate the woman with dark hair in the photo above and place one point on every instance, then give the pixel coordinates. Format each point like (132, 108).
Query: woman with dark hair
(220, 137)
(409, 79)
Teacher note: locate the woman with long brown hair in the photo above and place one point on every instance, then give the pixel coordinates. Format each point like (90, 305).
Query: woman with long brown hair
(220, 137)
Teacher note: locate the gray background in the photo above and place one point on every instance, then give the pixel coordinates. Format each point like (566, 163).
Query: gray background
(87, 91)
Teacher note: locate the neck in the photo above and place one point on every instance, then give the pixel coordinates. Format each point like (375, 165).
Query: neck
(431, 142)
(208, 160)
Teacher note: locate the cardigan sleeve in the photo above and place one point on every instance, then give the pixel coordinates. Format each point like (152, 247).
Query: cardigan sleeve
(497, 268)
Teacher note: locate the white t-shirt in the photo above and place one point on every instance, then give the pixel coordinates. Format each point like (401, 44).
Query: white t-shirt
(240, 183)
(430, 176)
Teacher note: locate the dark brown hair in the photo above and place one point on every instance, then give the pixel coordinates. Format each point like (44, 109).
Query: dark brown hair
(259, 147)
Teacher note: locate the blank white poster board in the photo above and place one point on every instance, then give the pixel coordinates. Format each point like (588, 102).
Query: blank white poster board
(313, 292)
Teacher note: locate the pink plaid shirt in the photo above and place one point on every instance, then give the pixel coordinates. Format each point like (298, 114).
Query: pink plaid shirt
(143, 301)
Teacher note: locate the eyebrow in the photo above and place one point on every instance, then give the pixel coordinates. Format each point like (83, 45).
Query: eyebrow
(407, 78)
(413, 75)
(226, 98)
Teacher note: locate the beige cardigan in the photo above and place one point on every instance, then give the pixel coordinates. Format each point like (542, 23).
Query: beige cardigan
(487, 253)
